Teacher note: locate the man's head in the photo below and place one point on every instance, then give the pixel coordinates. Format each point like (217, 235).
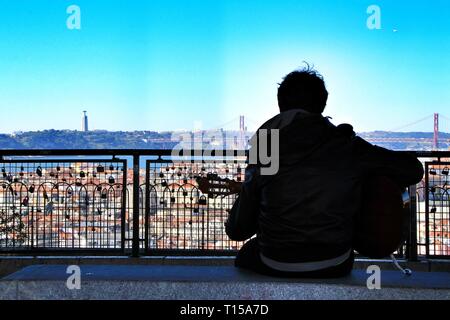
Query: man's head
(303, 89)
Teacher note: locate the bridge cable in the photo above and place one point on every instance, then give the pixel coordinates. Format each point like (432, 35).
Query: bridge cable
(413, 123)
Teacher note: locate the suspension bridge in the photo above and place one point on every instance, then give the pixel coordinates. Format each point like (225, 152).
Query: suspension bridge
(434, 139)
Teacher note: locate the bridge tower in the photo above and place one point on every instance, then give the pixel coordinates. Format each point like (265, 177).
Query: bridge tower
(242, 129)
(436, 132)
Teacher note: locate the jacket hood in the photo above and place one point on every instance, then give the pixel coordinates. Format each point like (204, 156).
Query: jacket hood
(300, 133)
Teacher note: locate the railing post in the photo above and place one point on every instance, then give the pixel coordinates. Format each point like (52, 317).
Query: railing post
(412, 248)
(136, 209)
(124, 206)
(427, 211)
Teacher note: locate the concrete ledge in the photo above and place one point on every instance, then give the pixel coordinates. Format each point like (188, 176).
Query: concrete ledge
(13, 263)
(157, 282)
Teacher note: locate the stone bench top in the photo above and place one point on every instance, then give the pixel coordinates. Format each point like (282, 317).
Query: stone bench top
(187, 282)
(217, 274)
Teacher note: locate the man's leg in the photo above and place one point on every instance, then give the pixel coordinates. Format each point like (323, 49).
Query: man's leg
(249, 258)
(338, 271)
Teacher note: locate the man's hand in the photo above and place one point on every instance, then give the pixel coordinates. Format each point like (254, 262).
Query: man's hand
(218, 186)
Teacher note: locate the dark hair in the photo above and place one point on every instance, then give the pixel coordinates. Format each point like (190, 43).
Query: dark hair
(303, 89)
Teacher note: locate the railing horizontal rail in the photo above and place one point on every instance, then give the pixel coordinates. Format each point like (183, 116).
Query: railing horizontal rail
(161, 152)
(115, 152)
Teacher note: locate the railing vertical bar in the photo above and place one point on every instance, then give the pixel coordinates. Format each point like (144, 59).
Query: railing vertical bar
(32, 227)
(147, 206)
(412, 248)
(123, 204)
(427, 211)
(136, 209)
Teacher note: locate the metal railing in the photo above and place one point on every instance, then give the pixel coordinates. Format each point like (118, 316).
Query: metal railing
(179, 218)
(147, 202)
(62, 204)
(434, 214)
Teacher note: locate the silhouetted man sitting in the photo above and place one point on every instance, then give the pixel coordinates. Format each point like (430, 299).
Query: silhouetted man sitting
(303, 216)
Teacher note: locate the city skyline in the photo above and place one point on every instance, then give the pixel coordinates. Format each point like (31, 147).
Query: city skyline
(167, 66)
(233, 126)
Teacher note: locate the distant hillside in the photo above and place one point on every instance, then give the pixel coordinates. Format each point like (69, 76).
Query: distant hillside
(412, 135)
(419, 141)
(65, 139)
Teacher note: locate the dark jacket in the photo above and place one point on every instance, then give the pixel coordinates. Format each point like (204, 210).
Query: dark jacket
(306, 211)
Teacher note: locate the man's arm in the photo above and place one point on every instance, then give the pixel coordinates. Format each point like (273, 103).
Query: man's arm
(401, 167)
(242, 222)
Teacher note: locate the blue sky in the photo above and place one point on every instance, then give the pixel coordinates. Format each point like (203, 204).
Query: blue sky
(172, 64)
